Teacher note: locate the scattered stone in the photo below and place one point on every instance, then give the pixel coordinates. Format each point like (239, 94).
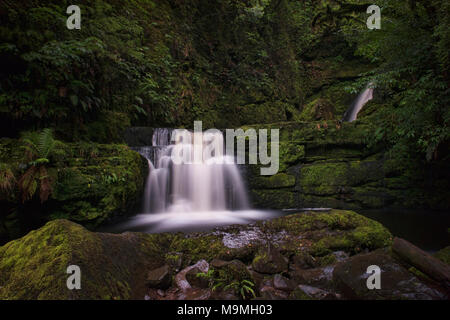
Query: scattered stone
(303, 260)
(320, 277)
(192, 276)
(283, 283)
(224, 295)
(195, 294)
(270, 293)
(303, 292)
(257, 279)
(159, 278)
(270, 261)
(217, 263)
(161, 293)
(237, 270)
(315, 293)
(180, 279)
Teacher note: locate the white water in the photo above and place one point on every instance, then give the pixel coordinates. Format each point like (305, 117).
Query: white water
(202, 183)
(204, 191)
(365, 96)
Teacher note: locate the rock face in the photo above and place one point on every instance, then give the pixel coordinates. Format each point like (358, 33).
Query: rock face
(93, 183)
(396, 282)
(333, 165)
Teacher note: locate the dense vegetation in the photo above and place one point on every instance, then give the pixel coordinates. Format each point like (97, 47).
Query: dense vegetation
(166, 63)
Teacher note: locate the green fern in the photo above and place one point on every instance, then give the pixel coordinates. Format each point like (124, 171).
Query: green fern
(38, 148)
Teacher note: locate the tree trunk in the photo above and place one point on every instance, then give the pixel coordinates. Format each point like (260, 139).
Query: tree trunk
(431, 266)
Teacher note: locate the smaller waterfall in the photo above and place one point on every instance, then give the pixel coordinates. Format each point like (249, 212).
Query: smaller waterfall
(365, 96)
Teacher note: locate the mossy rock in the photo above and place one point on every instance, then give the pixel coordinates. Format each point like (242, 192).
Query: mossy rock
(339, 230)
(279, 180)
(318, 109)
(443, 255)
(275, 199)
(334, 178)
(34, 267)
(92, 183)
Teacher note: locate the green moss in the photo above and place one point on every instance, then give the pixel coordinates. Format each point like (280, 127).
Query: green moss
(318, 109)
(276, 199)
(337, 177)
(280, 180)
(444, 255)
(326, 260)
(347, 230)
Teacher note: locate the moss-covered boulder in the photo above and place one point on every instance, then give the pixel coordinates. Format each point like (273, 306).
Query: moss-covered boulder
(34, 267)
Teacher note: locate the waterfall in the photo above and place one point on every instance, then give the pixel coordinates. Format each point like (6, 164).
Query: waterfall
(201, 183)
(365, 96)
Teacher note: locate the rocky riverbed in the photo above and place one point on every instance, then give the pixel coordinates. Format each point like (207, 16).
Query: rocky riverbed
(310, 255)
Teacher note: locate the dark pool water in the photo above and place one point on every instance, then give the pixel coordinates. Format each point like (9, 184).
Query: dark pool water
(426, 229)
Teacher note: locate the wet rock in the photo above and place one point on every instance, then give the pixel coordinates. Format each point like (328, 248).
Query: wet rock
(283, 283)
(223, 295)
(195, 294)
(303, 260)
(217, 263)
(237, 270)
(192, 276)
(270, 261)
(258, 279)
(234, 269)
(159, 278)
(303, 292)
(180, 279)
(350, 278)
(161, 293)
(270, 293)
(320, 277)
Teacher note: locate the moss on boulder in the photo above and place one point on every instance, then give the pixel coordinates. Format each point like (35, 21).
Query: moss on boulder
(34, 267)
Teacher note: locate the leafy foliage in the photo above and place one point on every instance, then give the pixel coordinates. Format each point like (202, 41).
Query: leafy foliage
(412, 74)
(38, 148)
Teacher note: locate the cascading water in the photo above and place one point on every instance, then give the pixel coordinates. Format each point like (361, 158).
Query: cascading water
(365, 96)
(211, 184)
(203, 190)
